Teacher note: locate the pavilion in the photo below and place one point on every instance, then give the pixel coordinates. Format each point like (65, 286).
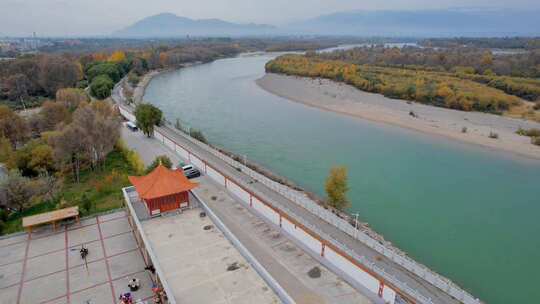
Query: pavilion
(163, 189)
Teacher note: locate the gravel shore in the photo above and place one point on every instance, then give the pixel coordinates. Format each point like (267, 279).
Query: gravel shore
(341, 98)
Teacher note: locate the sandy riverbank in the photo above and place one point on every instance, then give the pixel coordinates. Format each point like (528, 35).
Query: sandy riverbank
(344, 99)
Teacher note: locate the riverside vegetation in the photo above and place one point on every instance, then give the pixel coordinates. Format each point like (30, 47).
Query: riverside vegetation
(454, 90)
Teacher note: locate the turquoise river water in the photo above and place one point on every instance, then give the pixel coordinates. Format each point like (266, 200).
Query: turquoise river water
(468, 213)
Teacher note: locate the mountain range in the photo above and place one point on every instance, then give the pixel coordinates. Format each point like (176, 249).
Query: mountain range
(432, 23)
(168, 25)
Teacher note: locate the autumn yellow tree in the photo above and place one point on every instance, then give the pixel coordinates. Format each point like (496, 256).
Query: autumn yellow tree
(337, 187)
(117, 56)
(487, 59)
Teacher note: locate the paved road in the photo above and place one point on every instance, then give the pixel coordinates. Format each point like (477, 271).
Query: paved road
(279, 201)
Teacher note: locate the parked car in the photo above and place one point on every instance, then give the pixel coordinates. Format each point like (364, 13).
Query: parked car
(189, 170)
(192, 173)
(132, 126)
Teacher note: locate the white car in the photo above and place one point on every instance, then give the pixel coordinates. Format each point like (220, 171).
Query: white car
(187, 167)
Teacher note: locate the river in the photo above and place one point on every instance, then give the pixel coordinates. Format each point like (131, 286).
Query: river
(466, 212)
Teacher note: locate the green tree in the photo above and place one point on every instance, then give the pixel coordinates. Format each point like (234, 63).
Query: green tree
(161, 159)
(337, 187)
(147, 117)
(101, 86)
(111, 69)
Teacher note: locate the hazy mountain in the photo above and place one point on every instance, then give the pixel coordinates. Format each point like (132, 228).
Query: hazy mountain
(170, 25)
(450, 22)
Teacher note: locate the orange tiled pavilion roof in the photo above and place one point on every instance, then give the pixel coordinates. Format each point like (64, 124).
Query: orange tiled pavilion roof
(161, 182)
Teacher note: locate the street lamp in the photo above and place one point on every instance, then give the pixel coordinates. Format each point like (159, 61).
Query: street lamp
(355, 224)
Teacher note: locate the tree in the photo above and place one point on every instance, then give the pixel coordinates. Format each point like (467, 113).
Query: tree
(6, 150)
(101, 86)
(487, 59)
(117, 56)
(53, 113)
(70, 148)
(18, 86)
(42, 159)
(161, 159)
(147, 117)
(101, 127)
(109, 69)
(12, 126)
(337, 187)
(139, 66)
(19, 191)
(133, 79)
(56, 72)
(71, 97)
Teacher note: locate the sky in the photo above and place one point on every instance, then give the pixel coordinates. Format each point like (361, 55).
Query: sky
(102, 17)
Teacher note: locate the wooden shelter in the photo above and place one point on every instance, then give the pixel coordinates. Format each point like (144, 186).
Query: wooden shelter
(163, 189)
(53, 217)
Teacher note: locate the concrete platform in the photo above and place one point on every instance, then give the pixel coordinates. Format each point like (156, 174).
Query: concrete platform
(326, 288)
(195, 262)
(47, 268)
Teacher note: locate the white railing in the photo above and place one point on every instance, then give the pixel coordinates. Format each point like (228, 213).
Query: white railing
(305, 202)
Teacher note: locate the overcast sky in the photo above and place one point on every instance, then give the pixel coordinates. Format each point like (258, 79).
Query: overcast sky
(101, 17)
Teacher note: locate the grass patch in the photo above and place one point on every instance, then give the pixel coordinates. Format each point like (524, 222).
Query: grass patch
(101, 187)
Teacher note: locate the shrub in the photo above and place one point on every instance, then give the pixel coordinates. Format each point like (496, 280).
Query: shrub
(198, 135)
(535, 141)
(133, 158)
(86, 204)
(135, 162)
(530, 132)
(3, 215)
(101, 87)
(464, 130)
(163, 160)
